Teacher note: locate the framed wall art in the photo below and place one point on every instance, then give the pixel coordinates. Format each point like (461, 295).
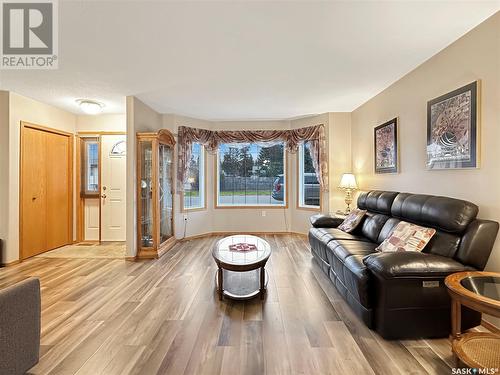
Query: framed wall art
(453, 129)
(386, 147)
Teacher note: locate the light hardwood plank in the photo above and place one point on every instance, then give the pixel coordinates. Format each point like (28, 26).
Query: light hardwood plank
(110, 316)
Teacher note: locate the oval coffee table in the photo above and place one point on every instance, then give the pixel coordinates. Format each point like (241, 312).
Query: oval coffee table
(241, 260)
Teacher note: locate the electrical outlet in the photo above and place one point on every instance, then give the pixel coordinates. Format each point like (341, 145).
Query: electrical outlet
(264, 213)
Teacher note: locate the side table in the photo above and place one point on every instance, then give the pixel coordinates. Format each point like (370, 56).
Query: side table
(479, 291)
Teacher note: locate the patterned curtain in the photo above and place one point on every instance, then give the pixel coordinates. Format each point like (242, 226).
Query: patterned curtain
(212, 139)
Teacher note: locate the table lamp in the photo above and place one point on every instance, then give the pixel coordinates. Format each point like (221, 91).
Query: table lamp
(348, 184)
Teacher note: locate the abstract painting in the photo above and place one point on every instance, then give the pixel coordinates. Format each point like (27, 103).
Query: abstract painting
(452, 129)
(386, 147)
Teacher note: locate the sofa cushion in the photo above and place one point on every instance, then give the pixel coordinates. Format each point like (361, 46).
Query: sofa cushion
(377, 201)
(328, 234)
(412, 263)
(352, 220)
(407, 237)
(446, 214)
(442, 243)
(387, 229)
(371, 225)
(320, 237)
(346, 259)
(317, 242)
(345, 248)
(356, 279)
(324, 221)
(477, 242)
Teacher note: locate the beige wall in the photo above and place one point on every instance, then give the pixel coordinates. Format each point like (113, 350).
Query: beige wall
(4, 168)
(101, 123)
(29, 110)
(339, 157)
(474, 56)
(139, 118)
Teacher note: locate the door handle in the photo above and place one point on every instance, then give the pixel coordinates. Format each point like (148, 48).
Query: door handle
(103, 196)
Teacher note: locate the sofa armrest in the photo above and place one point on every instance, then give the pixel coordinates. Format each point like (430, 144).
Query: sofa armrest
(410, 264)
(477, 243)
(20, 326)
(325, 221)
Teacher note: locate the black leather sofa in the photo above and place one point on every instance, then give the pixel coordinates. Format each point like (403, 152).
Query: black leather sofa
(402, 295)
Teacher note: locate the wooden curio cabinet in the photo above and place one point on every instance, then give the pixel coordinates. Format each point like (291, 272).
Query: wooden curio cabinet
(155, 193)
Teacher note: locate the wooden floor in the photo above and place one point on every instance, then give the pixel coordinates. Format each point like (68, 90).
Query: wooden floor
(103, 316)
(110, 250)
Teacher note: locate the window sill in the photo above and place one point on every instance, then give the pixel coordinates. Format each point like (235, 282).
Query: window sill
(196, 209)
(255, 207)
(309, 208)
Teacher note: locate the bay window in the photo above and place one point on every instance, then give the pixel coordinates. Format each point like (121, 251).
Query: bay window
(308, 185)
(251, 175)
(194, 186)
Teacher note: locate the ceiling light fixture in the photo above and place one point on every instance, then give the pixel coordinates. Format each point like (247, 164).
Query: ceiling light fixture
(90, 107)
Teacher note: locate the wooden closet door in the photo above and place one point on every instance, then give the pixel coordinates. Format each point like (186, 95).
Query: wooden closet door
(46, 190)
(33, 180)
(58, 190)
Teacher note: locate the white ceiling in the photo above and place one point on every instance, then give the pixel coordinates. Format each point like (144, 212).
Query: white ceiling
(242, 60)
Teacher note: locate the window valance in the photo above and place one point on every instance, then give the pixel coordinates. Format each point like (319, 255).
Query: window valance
(211, 139)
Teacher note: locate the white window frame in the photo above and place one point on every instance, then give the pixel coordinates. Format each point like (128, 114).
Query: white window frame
(300, 181)
(284, 205)
(202, 187)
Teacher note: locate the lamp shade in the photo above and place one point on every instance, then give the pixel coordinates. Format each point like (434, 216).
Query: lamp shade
(348, 181)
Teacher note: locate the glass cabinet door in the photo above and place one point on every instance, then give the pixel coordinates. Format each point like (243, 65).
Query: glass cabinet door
(146, 193)
(165, 191)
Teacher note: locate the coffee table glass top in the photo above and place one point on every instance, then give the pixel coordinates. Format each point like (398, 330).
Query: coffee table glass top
(242, 250)
(486, 286)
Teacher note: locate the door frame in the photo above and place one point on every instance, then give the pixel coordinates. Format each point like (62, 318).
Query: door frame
(27, 125)
(80, 204)
(80, 207)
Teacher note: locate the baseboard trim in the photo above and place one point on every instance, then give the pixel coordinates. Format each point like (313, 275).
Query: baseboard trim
(196, 236)
(213, 234)
(10, 264)
(490, 326)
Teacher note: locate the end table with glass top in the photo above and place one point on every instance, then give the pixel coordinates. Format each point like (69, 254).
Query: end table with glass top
(479, 291)
(241, 262)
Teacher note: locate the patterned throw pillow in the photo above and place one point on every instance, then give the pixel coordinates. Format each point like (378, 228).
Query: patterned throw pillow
(407, 237)
(352, 220)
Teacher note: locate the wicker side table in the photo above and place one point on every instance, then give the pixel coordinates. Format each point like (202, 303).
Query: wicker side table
(479, 291)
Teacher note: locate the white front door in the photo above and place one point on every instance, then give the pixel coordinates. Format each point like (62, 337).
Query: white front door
(113, 187)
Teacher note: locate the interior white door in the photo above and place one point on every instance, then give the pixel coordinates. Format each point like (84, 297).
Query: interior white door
(113, 187)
